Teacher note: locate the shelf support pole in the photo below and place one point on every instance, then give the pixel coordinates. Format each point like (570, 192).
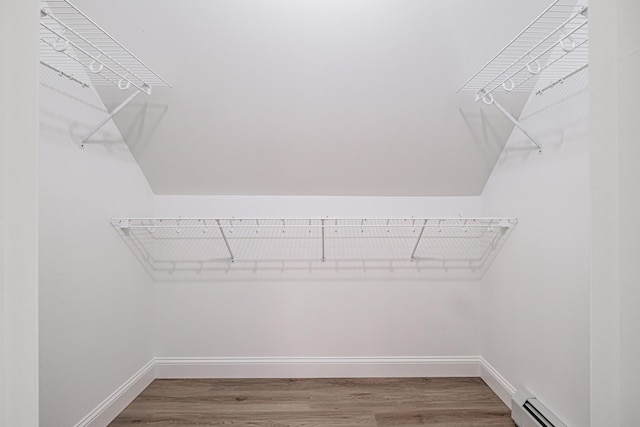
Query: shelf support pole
(322, 221)
(491, 100)
(109, 117)
(415, 248)
(226, 242)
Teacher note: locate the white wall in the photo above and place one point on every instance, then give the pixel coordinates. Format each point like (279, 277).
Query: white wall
(536, 295)
(95, 299)
(317, 207)
(629, 75)
(19, 214)
(614, 128)
(317, 315)
(604, 175)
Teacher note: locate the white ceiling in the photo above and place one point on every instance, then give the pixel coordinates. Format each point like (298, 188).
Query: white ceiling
(314, 97)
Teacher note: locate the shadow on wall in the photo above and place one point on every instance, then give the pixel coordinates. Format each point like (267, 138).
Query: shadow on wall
(197, 250)
(559, 100)
(139, 122)
(488, 138)
(546, 62)
(59, 94)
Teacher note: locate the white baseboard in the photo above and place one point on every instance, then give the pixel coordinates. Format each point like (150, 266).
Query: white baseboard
(496, 382)
(106, 411)
(295, 367)
(316, 367)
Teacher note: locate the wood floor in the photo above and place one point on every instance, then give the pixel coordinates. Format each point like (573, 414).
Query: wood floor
(366, 402)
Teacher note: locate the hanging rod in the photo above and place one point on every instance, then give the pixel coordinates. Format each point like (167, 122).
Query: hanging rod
(555, 42)
(63, 74)
(75, 45)
(561, 80)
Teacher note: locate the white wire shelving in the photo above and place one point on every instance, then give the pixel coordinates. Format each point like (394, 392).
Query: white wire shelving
(555, 44)
(74, 46)
(201, 243)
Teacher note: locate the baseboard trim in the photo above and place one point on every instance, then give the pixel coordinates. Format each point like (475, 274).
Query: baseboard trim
(316, 367)
(295, 367)
(496, 382)
(106, 411)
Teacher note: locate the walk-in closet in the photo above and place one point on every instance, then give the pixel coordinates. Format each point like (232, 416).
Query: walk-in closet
(319, 212)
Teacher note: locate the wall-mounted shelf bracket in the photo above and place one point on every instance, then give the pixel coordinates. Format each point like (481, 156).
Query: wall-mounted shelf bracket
(490, 100)
(109, 117)
(415, 248)
(226, 242)
(76, 47)
(322, 226)
(505, 223)
(63, 74)
(554, 47)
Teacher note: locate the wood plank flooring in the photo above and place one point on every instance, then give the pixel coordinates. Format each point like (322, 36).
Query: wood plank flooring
(366, 402)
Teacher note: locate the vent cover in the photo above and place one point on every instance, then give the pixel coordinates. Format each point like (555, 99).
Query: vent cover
(527, 411)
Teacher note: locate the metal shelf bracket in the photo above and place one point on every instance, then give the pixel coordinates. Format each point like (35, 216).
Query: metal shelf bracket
(226, 242)
(555, 44)
(109, 117)
(490, 100)
(74, 46)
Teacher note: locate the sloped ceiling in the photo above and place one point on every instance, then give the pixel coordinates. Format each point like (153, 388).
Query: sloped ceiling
(314, 97)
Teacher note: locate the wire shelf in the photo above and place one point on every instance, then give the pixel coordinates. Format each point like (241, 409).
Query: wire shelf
(556, 42)
(73, 44)
(196, 242)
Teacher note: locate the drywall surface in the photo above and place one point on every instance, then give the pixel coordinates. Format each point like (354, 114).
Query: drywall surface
(320, 97)
(615, 203)
(629, 70)
(317, 207)
(19, 215)
(536, 295)
(95, 299)
(317, 313)
(604, 136)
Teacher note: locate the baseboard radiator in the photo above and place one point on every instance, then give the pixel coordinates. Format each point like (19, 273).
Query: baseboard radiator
(527, 411)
